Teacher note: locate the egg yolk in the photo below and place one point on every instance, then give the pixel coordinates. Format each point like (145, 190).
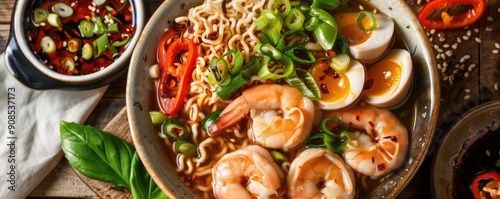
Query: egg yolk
(349, 28)
(383, 78)
(334, 87)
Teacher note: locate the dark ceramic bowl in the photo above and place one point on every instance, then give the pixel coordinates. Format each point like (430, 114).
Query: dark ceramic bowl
(424, 99)
(29, 70)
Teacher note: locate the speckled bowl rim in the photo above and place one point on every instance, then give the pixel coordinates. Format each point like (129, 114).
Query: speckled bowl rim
(426, 95)
(19, 34)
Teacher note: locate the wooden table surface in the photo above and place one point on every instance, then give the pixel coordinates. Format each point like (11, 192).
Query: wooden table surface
(469, 67)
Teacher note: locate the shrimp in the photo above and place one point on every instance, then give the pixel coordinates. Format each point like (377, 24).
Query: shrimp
(382, 148)
(281, 116)
(252, 165)
(320, 173)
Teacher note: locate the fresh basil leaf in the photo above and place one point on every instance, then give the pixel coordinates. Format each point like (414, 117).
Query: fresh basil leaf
(96, 154)
(142, 186)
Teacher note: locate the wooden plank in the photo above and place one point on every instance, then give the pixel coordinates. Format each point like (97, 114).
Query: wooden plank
(4, 36)
(6, 8)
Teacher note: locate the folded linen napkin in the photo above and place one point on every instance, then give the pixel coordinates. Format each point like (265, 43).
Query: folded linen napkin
(30, 144)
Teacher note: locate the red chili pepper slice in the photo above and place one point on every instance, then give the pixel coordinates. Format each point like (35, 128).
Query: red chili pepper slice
(480, 180)
(451, 14)
(175, 75)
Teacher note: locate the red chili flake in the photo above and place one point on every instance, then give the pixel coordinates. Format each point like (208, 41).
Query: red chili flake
(182, 179)
(324, 88)
(209, 92)
(371, 124)
(179, 27)
(368, 84)
(381, 167)
(321, 78)
(224, 9)
(195, 177)
(376, 135)
(350, 124)
(393, 138)
(324, 64)
(357, 117)
(331, 73)
(331, 53)
(213, 35)
(269, 81)
(373, 159)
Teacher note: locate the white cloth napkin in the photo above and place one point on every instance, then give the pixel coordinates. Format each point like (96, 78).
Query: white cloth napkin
(30, 144)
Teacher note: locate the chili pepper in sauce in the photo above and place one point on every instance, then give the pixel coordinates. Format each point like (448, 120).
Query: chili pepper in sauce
(451, 14)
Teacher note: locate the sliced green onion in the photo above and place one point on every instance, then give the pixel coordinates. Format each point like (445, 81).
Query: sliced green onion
(74, 45)
(113, 28)
(365, 15)
(115, 20)
(225, 91)
(325, 35)
(186, 148)
(341, 45)
(295, 20)
(99, 2)
(294, 37)
(265, 72)
(497, 163)
(248, 70)
(54, 20)
(297, 52)
(68, 64)
(87, 52)
(237, 59)
(48, 45)
(99, 27)
(279, 157)
(174, 129)
(270, 24)
(340, 63)
(210, 119)
(100, 45)
(123, 42)
(303, 81)
(86, 28)
(62, 9)
(158, 118)
(312, 23)
(325, 4)
(123, 5)
(282, 7)
(324, 129)
(324, 16)
(109, 8)
(328, 139)
(219, 72)
(40, 15)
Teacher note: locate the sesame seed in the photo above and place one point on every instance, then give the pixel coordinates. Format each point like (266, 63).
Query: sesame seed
(455, 71)
(497, 45)
(459, 40)
(443, 70)
(375, 10)
(467, 56)
(438, 56)
(476, 30)
(489, 29)
(488, 153)
(449, 53)
(467, 90)
(445, 78)
(466, 74)
(431, 39)
(478, 40)
(489, 18)
(433, 31)
(466, 97)
(471, 67)
(444, 57)
(436, 46)
(445, 64)
(454, 46)
(441, 39)
(446, 45)
(419, 2)
(495, 87)
(440, 50)
(361, 7)
(465, 37)
(495, 51)
(469, 33)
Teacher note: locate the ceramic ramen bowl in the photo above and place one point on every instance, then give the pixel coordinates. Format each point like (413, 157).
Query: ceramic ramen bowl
(28, 67)
(423, 100)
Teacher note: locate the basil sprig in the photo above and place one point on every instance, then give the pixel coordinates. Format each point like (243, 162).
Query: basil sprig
(105, 157)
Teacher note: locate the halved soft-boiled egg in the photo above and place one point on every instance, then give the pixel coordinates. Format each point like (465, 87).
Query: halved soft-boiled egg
(339, 89)
(389, 80)
(366, 46)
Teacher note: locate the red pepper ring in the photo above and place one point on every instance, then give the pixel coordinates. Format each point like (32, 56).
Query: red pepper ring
(175, 78)
(467, 18)
(480, 180)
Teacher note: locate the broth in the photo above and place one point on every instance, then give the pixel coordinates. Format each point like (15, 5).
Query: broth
(116, 18)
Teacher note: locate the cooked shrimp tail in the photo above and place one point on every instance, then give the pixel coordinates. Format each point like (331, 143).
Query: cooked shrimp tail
(232, 114)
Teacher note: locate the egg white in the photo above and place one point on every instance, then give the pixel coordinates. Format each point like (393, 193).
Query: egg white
(400, 94)
(377, 44)
(356, 75)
